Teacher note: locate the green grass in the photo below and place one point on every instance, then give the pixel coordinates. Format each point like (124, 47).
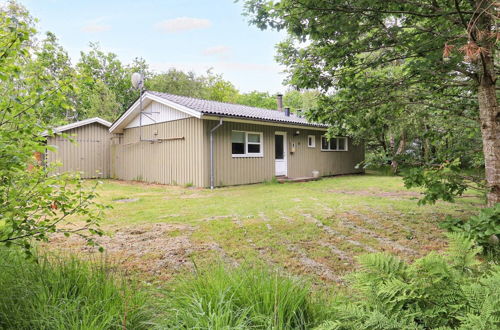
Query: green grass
(242, 298)
(313, 228)
(65, 293)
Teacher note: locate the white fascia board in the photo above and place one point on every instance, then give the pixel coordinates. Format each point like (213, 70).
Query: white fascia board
(175, 106)
(150, 97)
(79, 124)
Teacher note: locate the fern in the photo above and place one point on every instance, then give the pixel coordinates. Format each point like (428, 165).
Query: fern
(452, 291)
(462, 252)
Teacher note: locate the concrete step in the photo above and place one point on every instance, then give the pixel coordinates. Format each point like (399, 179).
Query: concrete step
(284, 179)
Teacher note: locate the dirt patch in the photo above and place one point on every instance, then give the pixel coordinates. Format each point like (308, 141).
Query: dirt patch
(378, 193)
(316, 267)
(126, 200)
(193, 196)
(330, 231)
(158, 250)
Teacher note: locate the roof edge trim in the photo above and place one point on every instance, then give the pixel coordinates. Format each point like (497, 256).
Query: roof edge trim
(117, 124)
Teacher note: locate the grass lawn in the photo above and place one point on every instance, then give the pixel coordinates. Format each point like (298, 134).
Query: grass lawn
(313, 229)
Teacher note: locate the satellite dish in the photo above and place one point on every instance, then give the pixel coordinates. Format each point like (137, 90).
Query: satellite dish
(137, 80)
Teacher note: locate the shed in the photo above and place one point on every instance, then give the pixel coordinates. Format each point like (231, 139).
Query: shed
(84, 147)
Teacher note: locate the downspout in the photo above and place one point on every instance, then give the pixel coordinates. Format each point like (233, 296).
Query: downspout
(212, 175)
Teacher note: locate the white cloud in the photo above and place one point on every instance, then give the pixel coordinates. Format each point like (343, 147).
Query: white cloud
(181, 24)
(216, 50)
(96, 25)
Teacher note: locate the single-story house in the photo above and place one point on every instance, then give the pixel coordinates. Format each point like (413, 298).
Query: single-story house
(182, 140)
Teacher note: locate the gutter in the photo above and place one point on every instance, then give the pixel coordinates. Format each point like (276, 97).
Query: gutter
(212, 169)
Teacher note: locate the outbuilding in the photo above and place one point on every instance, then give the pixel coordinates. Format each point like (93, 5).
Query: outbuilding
(82, 146)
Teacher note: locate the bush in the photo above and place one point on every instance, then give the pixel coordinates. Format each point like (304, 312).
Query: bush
(241, 298)
(64, 293)
(483, 228)
(446, 292)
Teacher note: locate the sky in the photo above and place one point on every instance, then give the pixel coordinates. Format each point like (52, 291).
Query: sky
(191, 35)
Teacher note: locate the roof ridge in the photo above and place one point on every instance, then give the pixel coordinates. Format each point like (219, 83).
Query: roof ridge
(220, 102)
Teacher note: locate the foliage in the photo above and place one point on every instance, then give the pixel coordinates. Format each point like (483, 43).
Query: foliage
(435, 291)
(176, 82)
(484, 228)
(241, 298)
(442, 182)
(104, 87)
(33, 200)
(403, 76)
(65, 293)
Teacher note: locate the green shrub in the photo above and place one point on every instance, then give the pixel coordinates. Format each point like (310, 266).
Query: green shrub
(445, 292)
(64, 293)
(483, 228)
(241, 298)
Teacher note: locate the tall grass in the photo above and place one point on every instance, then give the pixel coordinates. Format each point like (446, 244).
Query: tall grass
(241, 298)
(65, 293)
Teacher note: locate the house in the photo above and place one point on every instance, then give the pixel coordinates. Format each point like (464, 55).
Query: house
(84, 147)
(187, 141)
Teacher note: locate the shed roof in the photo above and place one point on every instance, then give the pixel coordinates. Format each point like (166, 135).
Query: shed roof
(80, 123)
(199, 108)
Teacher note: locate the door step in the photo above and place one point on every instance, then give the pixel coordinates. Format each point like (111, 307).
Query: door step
(284, 179)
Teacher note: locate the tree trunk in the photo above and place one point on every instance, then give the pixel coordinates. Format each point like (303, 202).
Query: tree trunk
(490, 130)
(488, 104)
(401, 148)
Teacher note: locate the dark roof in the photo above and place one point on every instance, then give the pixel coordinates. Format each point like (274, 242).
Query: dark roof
(235, 110)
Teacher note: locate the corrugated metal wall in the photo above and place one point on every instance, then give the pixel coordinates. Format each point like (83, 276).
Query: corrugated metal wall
(90, 153)
(177, 158)
(232, 171)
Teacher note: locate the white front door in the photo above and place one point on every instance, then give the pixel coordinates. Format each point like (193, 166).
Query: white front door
(280, 153)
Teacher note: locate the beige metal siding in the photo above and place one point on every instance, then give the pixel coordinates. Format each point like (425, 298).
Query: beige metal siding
(89, 153)
(306, 159)
(301, 163)
(176, 158)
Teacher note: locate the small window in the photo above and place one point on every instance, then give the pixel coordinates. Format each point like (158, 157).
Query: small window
(311, 141)
(246, 144)
(238, 143)
(334, 144)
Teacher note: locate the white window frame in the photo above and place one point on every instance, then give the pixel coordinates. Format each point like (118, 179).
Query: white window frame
(313, 137)
(335, 137)
(249, 154)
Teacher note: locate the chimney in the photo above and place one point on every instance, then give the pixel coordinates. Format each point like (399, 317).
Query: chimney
(287, 112)
(279, 99)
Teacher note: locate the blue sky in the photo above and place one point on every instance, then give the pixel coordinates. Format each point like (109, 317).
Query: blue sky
(192, 35)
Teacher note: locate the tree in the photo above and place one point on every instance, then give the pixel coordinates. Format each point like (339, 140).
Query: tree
(301, 100)
(257, 99)
(102, 75)
(54, 61)
(176, 82)
(218, 89)
(446, 46)
(34, 201)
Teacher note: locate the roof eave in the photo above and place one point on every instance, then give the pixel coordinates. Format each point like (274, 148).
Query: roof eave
(118, 125)
(213, 116)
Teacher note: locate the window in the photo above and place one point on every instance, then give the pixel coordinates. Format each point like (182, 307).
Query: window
(246, 144)
(311, 141)
(334, 144)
